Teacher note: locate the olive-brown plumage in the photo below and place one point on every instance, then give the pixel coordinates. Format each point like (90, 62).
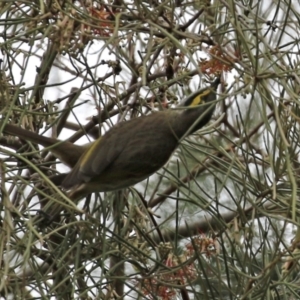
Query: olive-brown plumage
(131, 151)
(67, 152)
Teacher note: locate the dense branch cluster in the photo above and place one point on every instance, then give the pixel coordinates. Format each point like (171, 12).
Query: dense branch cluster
(221, 219)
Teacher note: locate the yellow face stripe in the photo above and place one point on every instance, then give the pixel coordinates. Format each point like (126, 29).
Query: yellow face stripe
(198, 99)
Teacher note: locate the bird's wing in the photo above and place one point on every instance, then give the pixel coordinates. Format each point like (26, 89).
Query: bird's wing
(96, 159)
(99, 157)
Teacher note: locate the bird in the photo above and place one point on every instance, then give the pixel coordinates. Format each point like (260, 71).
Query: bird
(130, 151)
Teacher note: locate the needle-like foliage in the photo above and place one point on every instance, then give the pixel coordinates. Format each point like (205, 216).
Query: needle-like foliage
(221, 219)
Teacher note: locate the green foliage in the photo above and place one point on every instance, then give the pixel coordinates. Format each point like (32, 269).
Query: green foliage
(222, 220)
